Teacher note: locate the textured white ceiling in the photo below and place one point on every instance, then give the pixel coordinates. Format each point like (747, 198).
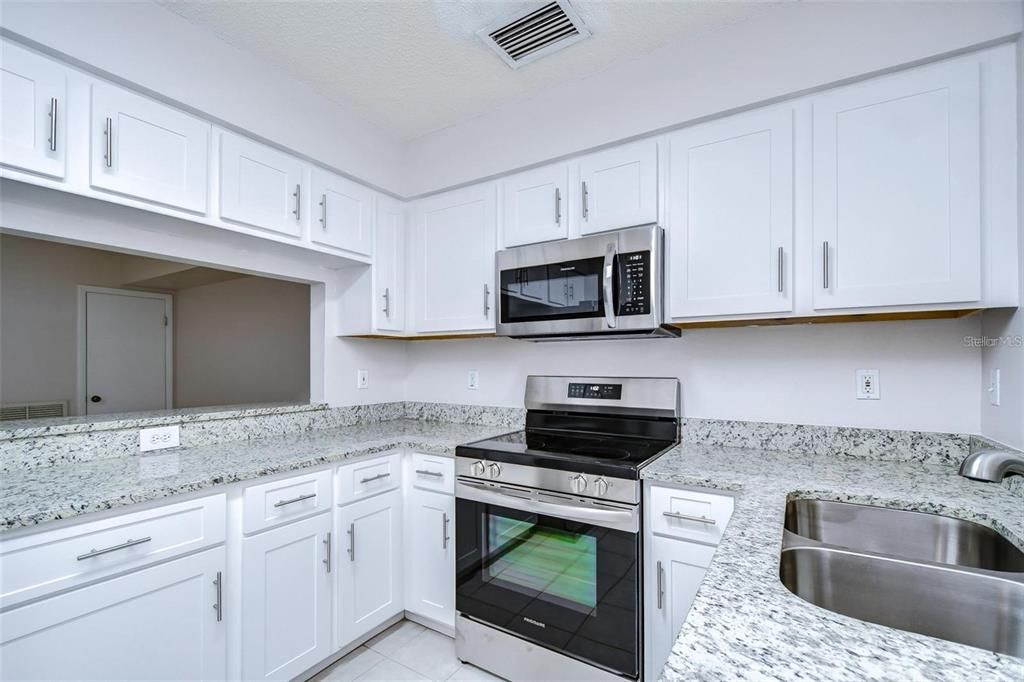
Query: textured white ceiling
(414, 66)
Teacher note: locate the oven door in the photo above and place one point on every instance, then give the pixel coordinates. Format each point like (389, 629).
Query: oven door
(564, 578)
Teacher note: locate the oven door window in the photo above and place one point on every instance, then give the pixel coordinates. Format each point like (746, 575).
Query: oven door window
(569, 586)
(569, 290)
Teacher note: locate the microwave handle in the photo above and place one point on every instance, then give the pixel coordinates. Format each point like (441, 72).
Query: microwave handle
(609, 290)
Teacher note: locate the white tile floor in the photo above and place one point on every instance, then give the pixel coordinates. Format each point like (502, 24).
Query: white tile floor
(405, 651)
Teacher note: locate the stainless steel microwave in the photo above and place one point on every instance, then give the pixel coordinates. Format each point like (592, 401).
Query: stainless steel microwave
(608, 285)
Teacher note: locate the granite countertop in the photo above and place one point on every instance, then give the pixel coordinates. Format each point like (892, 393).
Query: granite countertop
(744, 624)
(35, 496)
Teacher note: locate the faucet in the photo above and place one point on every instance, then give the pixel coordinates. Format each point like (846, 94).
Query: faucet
(992, 465)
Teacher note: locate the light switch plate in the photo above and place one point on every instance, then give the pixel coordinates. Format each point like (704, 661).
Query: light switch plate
(473, 381)
(159, 438)
(362, 378)
(993, 388)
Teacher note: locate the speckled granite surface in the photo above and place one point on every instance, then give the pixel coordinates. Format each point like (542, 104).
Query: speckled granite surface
(744, 624)
(35, 496)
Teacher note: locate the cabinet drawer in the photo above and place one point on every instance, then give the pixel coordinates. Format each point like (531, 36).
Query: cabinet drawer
(431, 472)
(41, 563)
(271, 504)
(689, 515)
(367, 478)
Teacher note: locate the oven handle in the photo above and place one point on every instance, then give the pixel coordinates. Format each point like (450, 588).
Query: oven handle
(609, 290)
(627, 519)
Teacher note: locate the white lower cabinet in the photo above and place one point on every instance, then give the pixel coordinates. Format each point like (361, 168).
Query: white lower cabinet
(430, 551)
(163, 622)
(370, 559)
(286, 599)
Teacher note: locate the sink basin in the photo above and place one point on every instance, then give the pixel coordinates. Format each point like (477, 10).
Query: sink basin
(924, 573)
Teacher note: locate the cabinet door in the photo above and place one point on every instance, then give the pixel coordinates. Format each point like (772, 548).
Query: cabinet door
(260, 186)
(619, 187)
(453, 260)
(896, 190)
(430, 547)
(33, 97)
(343, 213)
(369, 564)
(675, 570)
(731, 215)
(286, 599)
(389, 265)
(147, 150)
(160, 623)
(535, 208)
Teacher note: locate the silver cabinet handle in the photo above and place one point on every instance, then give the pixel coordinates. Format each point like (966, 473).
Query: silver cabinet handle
(218, 606)
(298, 200)
(781, 277)
(351, 542)
(106, 550)
(586, 201)
(371, 479)
(300, 498)
(328, 551)
(558, 206)
(609, 291)
(824, 265)
(687, 517)
(387, 302)
(323, 211)
(487, 301)
(53, 124)
(444, 531)
(108, 132)
(661, 586)
(427, 472)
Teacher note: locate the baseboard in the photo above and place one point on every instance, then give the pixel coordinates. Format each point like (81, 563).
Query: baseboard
(437, 626)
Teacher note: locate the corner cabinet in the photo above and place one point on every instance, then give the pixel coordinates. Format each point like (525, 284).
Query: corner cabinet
(32, 111)
(452, 260)
(389, 294)
(261, 186)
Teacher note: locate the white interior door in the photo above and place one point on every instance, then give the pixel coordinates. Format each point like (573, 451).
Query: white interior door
(125, 351)
(33, 96)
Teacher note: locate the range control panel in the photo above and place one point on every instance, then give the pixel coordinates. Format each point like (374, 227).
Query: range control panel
(634, 283)
(596, 391)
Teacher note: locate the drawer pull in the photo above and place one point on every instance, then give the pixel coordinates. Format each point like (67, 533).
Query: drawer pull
(124, 545)
(427, 472)
(687, 517)
(371, 479)
(218, 606)
(351, 542)
(661, 586)
(300, 498)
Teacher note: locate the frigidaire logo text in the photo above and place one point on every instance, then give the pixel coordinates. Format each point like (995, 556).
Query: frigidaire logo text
(531, 621)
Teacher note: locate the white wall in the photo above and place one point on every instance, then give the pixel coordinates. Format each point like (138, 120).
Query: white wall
(797, 374)
(793, 48)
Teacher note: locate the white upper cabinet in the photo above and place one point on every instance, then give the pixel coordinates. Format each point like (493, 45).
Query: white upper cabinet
(33, 98)
(619, 187)
(389, 265)
(342, 215)
(896, 185)
(147, 150)
(730, 215)
(452, 260)
(535, 206)
(261, 186)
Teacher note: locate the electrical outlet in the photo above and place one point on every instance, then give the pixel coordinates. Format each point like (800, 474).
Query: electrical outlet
(159, 438)
(993, 388)
(473, 382)
(868, 387)
(362, 378)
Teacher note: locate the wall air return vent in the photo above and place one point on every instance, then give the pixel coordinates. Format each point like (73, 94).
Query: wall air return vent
(18, 411)
(535, 33)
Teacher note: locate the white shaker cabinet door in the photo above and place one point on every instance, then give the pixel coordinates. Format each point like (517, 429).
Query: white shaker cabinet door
(389, 265)
(430, 547)
(536, 206)
(342, 215)
(897, 218)
(147, 150)
(160, 623)
(33, 100)
(731, 215)
(619, 187)
(261, 186)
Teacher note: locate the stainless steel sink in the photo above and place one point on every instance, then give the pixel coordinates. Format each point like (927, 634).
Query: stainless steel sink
(925, 573)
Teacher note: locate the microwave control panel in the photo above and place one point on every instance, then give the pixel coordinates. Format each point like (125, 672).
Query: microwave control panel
(634, 283)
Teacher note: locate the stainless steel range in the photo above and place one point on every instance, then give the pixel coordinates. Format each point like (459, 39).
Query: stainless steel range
(548, 543)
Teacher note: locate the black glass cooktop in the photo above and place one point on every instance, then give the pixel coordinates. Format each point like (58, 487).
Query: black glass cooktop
(611, 455)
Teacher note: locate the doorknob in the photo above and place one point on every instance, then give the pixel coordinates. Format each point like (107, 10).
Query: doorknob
(95, 398)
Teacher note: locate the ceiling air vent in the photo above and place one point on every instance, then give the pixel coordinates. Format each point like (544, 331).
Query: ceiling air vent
(534, 33)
